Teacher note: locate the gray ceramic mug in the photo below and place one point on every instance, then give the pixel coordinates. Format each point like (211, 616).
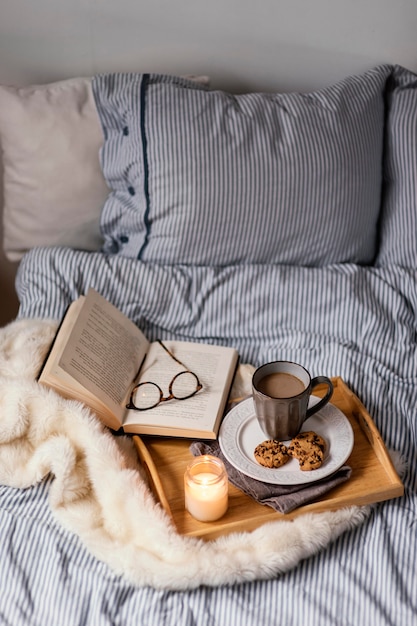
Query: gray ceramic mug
(281, 392)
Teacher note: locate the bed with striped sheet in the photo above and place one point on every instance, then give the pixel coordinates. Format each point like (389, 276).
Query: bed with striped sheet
(343, 320)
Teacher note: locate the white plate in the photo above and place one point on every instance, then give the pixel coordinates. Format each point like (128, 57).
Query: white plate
(240, 433)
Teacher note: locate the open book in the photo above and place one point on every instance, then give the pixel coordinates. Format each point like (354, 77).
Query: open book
(99, 357)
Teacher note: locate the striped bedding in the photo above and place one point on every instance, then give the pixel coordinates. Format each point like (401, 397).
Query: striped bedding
(205, 177)
(346, 320)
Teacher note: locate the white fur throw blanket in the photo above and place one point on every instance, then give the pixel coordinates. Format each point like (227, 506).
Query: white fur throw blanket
(100, 493)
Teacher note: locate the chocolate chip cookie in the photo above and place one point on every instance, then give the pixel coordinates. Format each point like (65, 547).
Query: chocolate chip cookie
(271, 453)
(309, 449)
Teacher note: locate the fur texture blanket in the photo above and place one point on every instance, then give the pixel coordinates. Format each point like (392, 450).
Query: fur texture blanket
(100, 493)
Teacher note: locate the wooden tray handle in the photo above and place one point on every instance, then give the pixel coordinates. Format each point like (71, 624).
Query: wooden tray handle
(152, 474)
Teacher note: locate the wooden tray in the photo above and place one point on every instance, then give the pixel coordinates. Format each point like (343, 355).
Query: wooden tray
(373, 479)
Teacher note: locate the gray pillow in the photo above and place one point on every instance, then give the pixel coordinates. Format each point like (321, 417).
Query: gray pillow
(398, 227)
(54, 189)
(210, 178)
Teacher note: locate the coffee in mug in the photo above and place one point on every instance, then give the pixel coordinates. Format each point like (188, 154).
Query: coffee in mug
(280, 385)
(281, 392)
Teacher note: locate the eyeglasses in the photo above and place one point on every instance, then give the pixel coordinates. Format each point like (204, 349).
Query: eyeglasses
(147, 395)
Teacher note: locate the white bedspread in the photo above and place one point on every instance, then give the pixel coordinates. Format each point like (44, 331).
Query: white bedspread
(99, 493)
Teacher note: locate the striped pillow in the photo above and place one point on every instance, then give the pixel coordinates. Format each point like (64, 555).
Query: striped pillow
(398, 230)
(209, 178)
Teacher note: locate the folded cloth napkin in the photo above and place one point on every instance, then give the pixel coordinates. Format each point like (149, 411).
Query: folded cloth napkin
(282, 498)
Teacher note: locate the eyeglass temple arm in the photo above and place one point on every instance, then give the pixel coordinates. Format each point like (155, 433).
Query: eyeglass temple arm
(171, 355)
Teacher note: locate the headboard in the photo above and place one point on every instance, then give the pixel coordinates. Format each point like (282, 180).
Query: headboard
(281, 45)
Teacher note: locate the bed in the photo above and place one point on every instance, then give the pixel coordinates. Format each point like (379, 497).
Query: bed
(283, 224)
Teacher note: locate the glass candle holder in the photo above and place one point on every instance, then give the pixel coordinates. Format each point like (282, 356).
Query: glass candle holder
(206, 488)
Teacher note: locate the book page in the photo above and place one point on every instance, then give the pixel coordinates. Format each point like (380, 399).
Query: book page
(214, 367)
(104, 352)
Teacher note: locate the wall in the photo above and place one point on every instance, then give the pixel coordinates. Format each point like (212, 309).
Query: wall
(243, 45)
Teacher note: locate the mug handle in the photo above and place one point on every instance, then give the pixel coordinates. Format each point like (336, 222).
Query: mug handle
(320, 380)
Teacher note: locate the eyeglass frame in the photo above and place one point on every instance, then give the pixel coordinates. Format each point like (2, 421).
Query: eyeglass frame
(199, 386)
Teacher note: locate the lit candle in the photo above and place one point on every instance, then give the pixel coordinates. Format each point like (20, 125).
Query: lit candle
(206, 488)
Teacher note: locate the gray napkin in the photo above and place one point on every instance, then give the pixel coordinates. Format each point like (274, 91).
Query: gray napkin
(282, 498)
